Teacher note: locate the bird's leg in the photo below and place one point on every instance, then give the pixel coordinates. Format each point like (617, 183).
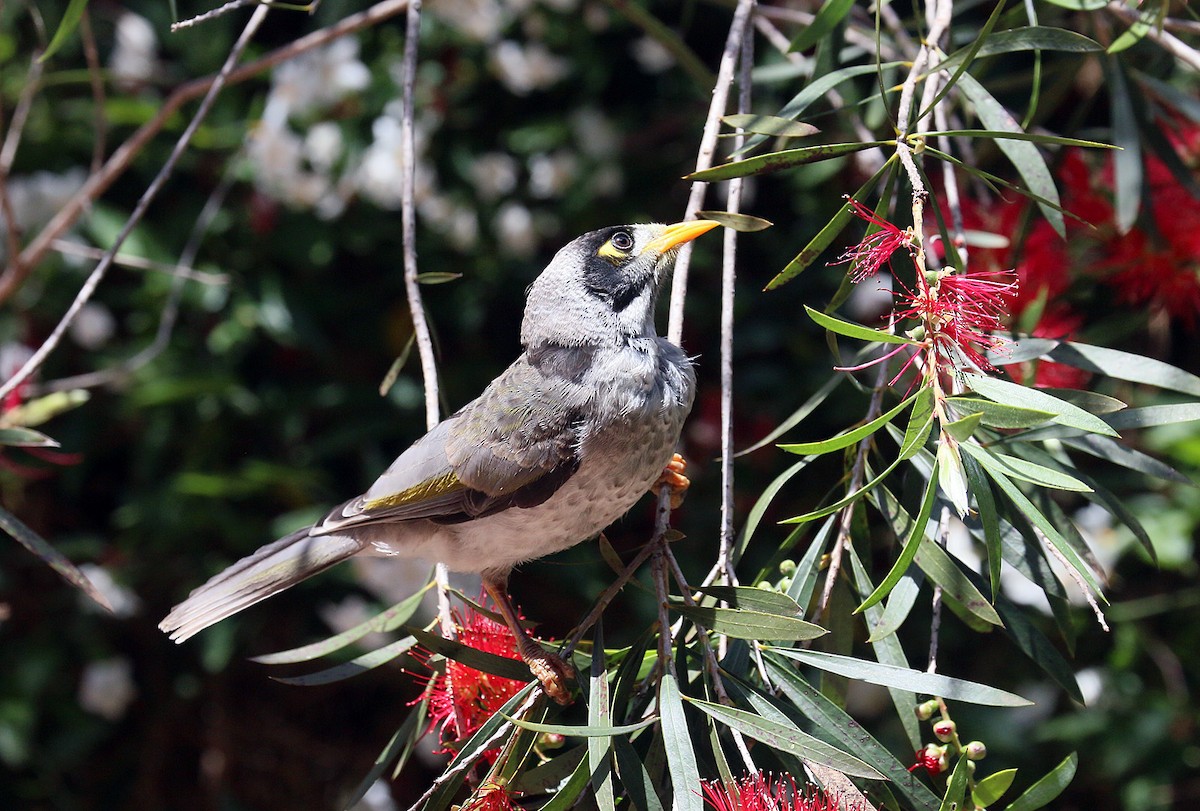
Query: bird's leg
(672, 476)
(550, 670)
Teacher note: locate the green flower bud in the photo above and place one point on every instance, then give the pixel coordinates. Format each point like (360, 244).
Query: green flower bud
(926, 710)
(944, 730)
(787, 567)
(975, 750)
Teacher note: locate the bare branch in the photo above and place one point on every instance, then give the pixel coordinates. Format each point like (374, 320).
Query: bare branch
(211, 14)
(96, 79)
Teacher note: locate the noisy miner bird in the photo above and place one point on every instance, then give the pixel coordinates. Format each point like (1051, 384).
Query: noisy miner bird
(557, 447)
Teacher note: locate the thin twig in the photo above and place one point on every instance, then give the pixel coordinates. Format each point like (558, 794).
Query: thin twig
(97, 275)
(120, 160)
(8, 154)
(178, 270)
(1075, 576)
(211, 14)
(1168, 41)
(170, 312)
(704, 159)
(607, 596)
(710, 656)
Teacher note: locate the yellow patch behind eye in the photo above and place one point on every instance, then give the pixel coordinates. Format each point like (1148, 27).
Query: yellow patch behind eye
(612, 253)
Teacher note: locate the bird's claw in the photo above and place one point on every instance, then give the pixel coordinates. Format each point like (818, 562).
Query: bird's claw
(672, 477)
(554, 673)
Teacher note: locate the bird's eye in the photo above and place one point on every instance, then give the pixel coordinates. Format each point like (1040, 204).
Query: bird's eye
(622, 241)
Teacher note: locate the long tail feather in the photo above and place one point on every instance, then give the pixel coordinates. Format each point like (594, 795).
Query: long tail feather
(256, 577)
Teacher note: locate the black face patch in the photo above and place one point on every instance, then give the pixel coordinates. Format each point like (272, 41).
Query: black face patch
(607, 280)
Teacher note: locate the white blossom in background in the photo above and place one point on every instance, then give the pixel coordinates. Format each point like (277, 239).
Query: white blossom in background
(124, 602)
(93, 327)
(377, 798)
(551, 175)
(134, 58)
(650, 54)
(526, 68)
(324, 145)
(106, 688)
(595, 134)
(458, 224)
(515, 230)
(379, 174)
(316, 80)
(480, 20)
(280, 171)
(494, 175)
(37, 197)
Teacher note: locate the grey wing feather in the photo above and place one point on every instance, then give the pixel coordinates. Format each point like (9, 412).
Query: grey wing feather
(513, 446)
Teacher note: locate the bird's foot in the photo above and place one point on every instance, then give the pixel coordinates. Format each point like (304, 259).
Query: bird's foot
(672, 477)
(552, 671)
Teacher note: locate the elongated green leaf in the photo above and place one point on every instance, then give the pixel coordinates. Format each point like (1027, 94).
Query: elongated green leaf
(788, 738)
(1090, 401)
(769, 125)
(1134, 34)
(1043, 792)
(600, 720)
(743, 223)
(1031, 38)
(403, 736)
(999, 415)
(1024, 397)
(1119, 454)
(552, 775)
(940, 567)
(831, 13)
(991, 788)
(742, 624)
(1025, 157)
(908, 551)
(852, 330)
(828, 233)
(846, 500)
(26, 438)
(989, 521)
(900, 602)
(637, 781)
(916, 681)
(360, 664)
(1110, 362)
(39, 410)
(770, 602)
(1080, 5)
(1024, 470)
(681, 757)
(791, 422)
(843, 731)
(777, 161)
(1154, 415)
(51, 557)
(982, 36)
(383, 622)
(566, 796)
(1127, 164)
(920, 422)
(66, 27)
(964, 428)
(1034, 137)
(804, 581)
(1048, 530)
(849, 437)
(471, 657)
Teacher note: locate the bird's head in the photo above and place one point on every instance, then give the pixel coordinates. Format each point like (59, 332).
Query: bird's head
(601, 288)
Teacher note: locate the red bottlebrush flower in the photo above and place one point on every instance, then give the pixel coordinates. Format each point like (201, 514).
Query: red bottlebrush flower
(462, 698)
(932, 759)
(868, 256)
(766, 792)
(492, 797)
(958, 312)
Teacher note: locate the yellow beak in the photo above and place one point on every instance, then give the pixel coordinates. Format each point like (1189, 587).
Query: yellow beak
(679, 233)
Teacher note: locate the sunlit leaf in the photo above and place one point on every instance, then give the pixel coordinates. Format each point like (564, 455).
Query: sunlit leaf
(852, 330)
(940, 567)
(599, 721)
(1033, 137)
(1031, 38)
(51, 557)
(770, 602)
(900, 602)
(1025, 470)
(1044, 791)
(737, 222)
(985, 502)
(681, 757)
(26, 438)
(776, 161)
(66, 27)
(849, 437)
(916, 681)
(1119, 454)
(742, 624)
(437, 277)
(991, 788)
(588, 731)
(769, 125)
(828, 16)
(356, 666)
(792, 421)
(41, 409)
(907, 552)
(788, 738)
(1024, 397)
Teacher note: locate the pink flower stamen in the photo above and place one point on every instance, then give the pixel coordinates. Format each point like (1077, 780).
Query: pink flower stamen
(868, 256)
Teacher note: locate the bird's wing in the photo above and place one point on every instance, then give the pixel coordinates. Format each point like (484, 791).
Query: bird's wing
(512, 447)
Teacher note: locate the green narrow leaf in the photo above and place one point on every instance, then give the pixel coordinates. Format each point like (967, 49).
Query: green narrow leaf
(1043, 792)
(920, 422)
(828, 232)
(382, 622)
(26, 438)
(743, 223)
(739, 623)
(777, 161)
(471, 657)
(900, 602)
(1127, 164)
(402, 738)
(940, 567)
(989, 520)
(637, 781)
(964, 428)
(437, 277)
(981, 37)
(1030, 38)
(1024, 397)
(908, 551)
(1024, 470)
(915, 681)
(851, 330)
(66, 27)
(1033, 137)
(600, 718)
(956, 788)
(1080, 5)
(42, 409)
(1105, 448)
(1154, 415)
(768, 125)
(769, 602)
(681, 758)
(843, 731)
(552, 775)
(792, 421)
(849, 437)
(1024, 156)
(565, 797)
(804, 581)
(360, 664)
(787, 737)
(1134, 34)
(830, 14)
(990, 789)
(1048, 530)
(998, 415)
(51, 557)
(594, 730)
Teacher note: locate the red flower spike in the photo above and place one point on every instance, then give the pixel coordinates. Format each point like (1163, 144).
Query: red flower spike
(462, 698)
(868, 256)
(492, 797)
(932, 759)
(767, 792)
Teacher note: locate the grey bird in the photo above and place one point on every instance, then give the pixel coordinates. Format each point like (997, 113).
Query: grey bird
(555, 449)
